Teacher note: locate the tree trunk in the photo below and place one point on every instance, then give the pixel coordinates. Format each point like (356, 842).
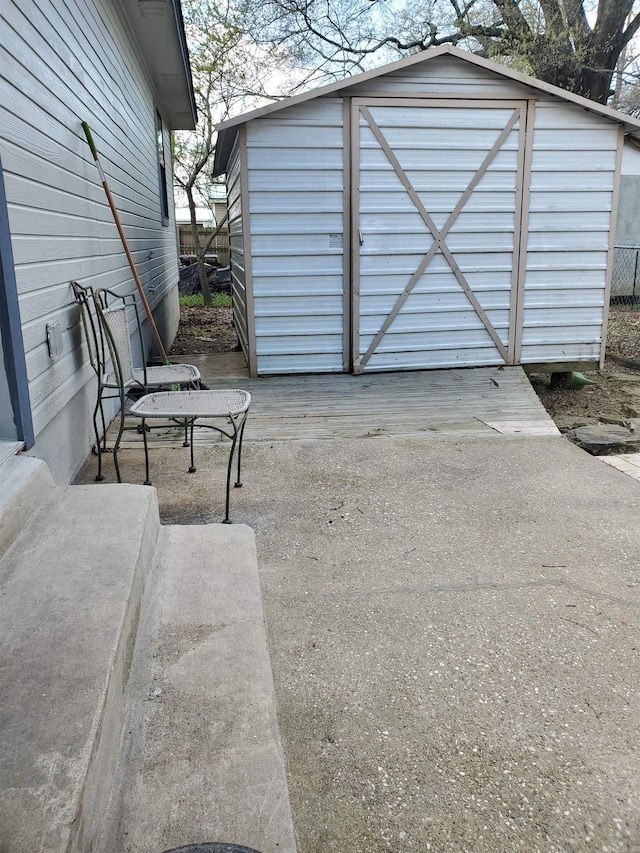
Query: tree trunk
(199, 250)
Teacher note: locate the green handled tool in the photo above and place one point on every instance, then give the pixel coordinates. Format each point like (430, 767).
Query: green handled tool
(136, 277)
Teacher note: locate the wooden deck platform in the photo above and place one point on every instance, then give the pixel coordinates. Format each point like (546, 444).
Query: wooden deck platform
(478, 402)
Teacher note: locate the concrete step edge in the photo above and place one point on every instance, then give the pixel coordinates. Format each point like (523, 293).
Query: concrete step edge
(202, 729)
(26, 485)
(73, 582)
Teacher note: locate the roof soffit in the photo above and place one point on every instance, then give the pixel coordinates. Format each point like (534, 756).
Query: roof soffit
(159, 33)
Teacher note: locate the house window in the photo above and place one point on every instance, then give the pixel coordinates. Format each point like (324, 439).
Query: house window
(162, 170)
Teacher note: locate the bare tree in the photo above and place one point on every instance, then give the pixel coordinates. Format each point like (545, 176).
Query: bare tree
(565, 42)
(230, 72)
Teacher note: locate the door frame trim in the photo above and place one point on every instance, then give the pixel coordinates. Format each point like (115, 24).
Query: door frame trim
(521, 107)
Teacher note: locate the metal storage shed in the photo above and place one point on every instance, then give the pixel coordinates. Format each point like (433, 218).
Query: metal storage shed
(441, 211)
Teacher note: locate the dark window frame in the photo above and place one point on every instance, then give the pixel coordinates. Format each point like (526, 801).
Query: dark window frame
(162, 169)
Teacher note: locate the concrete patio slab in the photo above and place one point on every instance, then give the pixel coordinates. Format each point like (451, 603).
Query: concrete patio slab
(453, 627)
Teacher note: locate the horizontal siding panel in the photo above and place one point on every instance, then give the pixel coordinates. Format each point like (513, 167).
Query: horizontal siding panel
(288, 135)
(429, 303)
(293, 246)
(297, 178)
(290, 307)
(300, 344)
(276, 203)
(420, 323)
(296, 266)
(480, 202)
(430, 121)
(561, 335)
(585, 220)
(415, 360)
(444, 180)
(410, 221)
(442, 76)
(295, 224)
(590, 241)
(437, 285)
(321, 112)
(543, 284)
(375, 243)
(315, 363)
(291, 285)
(478, 262)
(274, 159)
(556, 115)
(374, 159)
(573, 201)
(572, 161)
(546, 261)
(558, 183)
(598, 139)
(554, 315)
(309, 326)
(550, 353)
(447, 340)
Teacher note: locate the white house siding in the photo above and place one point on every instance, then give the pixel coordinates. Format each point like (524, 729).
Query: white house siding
(295, 180)
(571, 192)
(61, 64)
(236, 250)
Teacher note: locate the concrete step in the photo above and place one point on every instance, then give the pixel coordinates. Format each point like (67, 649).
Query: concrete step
(73, 568)
(202, 758)
(25, 484)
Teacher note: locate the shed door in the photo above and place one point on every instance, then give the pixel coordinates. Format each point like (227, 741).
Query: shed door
(437, 198)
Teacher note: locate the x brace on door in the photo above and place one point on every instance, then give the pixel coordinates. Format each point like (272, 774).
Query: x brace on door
(438, 235)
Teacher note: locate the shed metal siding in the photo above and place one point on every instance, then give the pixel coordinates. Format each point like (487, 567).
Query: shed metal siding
(444, 75)
(571, 191)
(295, 180)
(55, 73)
(236, 249)
(558, 189)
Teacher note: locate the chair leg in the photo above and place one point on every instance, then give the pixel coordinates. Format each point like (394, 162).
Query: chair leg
(147, 479)
(234, 442)
(117, 444)
(191, 424)
(99, 448)
(238, 482)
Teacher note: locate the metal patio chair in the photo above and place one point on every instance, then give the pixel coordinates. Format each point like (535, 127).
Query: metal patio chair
(185, 407)
(143, 379)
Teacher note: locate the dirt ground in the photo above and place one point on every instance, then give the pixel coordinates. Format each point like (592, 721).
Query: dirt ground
(204, 331)
(614, 398)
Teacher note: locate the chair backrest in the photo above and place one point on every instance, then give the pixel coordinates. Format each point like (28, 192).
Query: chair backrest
(92, 331)
(116, 331)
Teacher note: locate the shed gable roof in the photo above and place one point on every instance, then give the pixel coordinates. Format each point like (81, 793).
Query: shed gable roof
(226, 129)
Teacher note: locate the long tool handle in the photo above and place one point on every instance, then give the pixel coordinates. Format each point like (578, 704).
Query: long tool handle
(116, 218)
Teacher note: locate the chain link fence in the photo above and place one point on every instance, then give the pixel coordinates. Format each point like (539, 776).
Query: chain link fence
(623, 332)
(625, 281)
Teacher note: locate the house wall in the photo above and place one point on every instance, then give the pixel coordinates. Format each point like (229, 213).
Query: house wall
(295, 180)
(61, 65)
